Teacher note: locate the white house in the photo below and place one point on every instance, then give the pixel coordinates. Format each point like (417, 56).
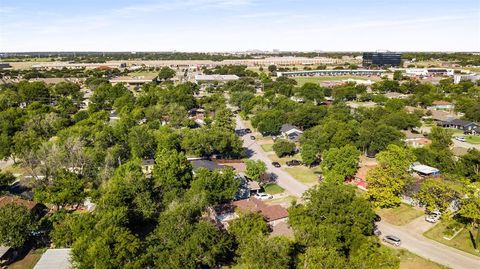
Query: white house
(290, 132)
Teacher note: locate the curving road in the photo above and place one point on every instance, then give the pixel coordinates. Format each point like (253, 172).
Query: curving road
(414, 241)
(285, 180)
(411, 234)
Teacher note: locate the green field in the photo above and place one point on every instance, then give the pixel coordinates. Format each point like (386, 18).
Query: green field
(303, 80)
(461, 241)
(267, 147)
(400, 215)
(408, 260)
(273, 189)
(473, 139)
(142, 73)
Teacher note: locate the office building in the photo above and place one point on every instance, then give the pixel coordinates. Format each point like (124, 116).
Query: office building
(382, 58)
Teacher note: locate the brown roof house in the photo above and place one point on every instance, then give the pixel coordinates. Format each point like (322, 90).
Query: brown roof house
(224, 214)
(416, 140)
(35, 208)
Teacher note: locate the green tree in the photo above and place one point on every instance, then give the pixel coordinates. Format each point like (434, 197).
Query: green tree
(310, 153)
(265, 253)
(437, 194)
(166, 73)
(112, 247)
(255, 169)
(283, 147)
(441, 137)
(219, 186)
(130, 189)
(272, 68)
(397, 75)
(247, 227)
(172, 173)
(15, 231)
(339, 163)
(470, 204)
(311, 91)
(66, 188)
(469, 165)
(370, 254)
(326, 218)
(6, 179)
(321, 258)
(387, 181)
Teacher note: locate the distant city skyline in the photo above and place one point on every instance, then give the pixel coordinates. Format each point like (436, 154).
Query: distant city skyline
(239, 25)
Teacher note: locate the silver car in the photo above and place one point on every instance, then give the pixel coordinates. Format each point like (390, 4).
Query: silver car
(392, 240)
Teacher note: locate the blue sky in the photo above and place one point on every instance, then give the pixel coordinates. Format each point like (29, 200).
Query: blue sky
(235, 25)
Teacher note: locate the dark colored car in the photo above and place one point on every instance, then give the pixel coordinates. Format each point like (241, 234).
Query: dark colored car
(293, 163)
(276, 164)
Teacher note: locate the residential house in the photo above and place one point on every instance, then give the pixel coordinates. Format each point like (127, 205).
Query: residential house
(247, 188)
(424, 170)
(468, 127)
(360, 178)
(442, 105)
(290, 132)
(207, 164)
(147, 166)
(35, 208)
(55, 258)
(416, 140)
(225, 213)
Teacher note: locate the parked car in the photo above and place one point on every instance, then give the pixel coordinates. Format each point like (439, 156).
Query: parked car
(276, 164)
(252, 137)
(433, 217)
(393, 240)
(263, 196)
(293, 163)
(460, 138)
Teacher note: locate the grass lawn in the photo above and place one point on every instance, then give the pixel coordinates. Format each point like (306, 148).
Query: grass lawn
(284, 201)
(408, 260)
(304, 174)
(142, 73)
(400, 215)
(473, 139)
(303, 80)
(273, 189)
(462, 241)
(29, 261)
(267, 147)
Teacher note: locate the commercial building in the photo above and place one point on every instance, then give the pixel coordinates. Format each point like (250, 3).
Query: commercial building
(382, 58)
(134, 81)
(212, 78)
(331, 72)
(471, 77)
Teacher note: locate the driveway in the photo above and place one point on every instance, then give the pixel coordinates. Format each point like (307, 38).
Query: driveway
(411, 234)
(414, 241)
(461, 144)
(284, 179)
